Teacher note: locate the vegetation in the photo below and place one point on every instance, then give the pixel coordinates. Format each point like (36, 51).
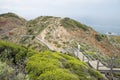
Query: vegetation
(45, 18)
(23, 63)
(70, 23)
(8, 73)
(49, 65)
(12, 56)
(115, 40)
(5, 71)
(92, 55)
(44, 65)
(34, 28)
(4, 37)
(11, 52)
(100, 37)
(9, 15)
(37, 25)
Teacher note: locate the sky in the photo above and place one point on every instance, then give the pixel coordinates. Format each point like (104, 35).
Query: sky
(91, 12)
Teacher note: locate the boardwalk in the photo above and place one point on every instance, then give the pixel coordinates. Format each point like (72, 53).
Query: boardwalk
(40, 40)
(45, 43)
(101, 67)
(95, 63)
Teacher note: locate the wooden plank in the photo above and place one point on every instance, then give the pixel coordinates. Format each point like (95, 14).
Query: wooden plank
(98, 66)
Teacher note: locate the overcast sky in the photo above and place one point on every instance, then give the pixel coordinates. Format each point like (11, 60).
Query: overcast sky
(97, 12)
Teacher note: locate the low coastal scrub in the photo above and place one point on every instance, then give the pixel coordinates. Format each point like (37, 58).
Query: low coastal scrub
(44, 65)
(70, 23)
(49, 65)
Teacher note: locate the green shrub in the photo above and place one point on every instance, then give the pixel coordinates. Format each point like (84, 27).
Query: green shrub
(92, 54)
(11, 53)
(70, 23)
(5, 71)
(49, 65)
(45, 18)
(45, 65)
(80, 68)
(40, 63)
(5, 37)
(58, 74)
(58, 45)
(9, 15)
(36, 26)
(95, 73)
(9, 73)
(100, 37)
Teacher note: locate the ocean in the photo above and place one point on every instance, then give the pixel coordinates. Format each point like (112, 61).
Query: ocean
(105, 29)
(100, 27)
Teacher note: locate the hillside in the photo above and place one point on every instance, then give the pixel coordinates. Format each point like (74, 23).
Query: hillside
(115, 40)
(55, 33)
(21, 63)
(10, 21)
(11, 26)
(61, 33)
(58, 33)
(48, 39)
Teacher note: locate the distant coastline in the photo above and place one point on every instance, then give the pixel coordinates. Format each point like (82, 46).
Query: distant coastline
(99, 26)
(113, 30)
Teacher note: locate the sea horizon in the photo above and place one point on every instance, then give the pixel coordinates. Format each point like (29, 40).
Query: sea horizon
(104, 29)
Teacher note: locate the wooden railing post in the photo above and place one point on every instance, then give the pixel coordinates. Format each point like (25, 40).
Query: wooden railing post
(83, 57)
(111, 68)
(97, 64)
(77, 53)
